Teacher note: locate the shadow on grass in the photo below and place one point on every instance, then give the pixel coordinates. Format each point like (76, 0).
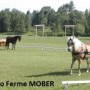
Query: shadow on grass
(64, 73)
(83, 70)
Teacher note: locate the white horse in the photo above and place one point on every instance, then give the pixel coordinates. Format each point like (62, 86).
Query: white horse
(79, 52)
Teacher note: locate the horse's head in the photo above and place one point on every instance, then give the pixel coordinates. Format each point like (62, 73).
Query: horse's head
(70, 43)
(74, 44)
(18, 37)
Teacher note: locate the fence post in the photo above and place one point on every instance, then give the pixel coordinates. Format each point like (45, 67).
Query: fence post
(65, 86)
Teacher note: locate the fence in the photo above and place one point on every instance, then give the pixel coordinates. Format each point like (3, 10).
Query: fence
(44, 47)
(66, 83)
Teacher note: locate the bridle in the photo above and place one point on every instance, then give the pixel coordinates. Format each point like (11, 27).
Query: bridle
(70, 42)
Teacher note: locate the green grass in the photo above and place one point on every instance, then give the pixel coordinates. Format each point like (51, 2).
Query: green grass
(34, 64)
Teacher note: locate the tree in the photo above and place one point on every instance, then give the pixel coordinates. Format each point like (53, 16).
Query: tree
(71, 6)
(62, 11)
(5, 20)
(77, 17)
(79, 29)
(35, 18)
(45, 14)
(28, 21)
(87, 15)
(17, 21)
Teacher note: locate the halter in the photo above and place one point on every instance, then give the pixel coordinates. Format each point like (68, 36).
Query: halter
(70, 42)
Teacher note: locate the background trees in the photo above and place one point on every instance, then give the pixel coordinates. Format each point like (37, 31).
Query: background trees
(18, 22)
(5, 20)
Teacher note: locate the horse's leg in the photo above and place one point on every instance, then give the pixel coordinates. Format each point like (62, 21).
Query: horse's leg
(7, 46)
(79, 67)
(73, 61)
(87, 65)
(14, 46)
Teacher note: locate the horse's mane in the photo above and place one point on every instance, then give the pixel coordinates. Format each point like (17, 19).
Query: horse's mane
(75, 40)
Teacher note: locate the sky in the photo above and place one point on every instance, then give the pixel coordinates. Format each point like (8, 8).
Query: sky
(25, 5)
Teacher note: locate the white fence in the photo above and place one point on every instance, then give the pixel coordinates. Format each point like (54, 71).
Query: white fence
(66, 83)
(44, 47)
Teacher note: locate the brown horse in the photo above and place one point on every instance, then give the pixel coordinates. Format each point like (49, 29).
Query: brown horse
(80, 51)
(2, 42)
(12, 40)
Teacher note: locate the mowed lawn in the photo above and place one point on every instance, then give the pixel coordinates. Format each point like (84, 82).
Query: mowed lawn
(40, 59)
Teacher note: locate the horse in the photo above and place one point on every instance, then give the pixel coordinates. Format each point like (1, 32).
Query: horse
(2, 42)
(80, 51)
(12, 40)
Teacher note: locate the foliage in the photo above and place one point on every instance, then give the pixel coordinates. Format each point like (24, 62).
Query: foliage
(79, 29)
(14, 21)
(19, 22)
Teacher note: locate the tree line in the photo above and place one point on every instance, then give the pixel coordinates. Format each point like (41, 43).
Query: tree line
(18, 22)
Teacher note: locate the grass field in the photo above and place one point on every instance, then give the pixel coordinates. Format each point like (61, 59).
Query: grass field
(40, 59)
